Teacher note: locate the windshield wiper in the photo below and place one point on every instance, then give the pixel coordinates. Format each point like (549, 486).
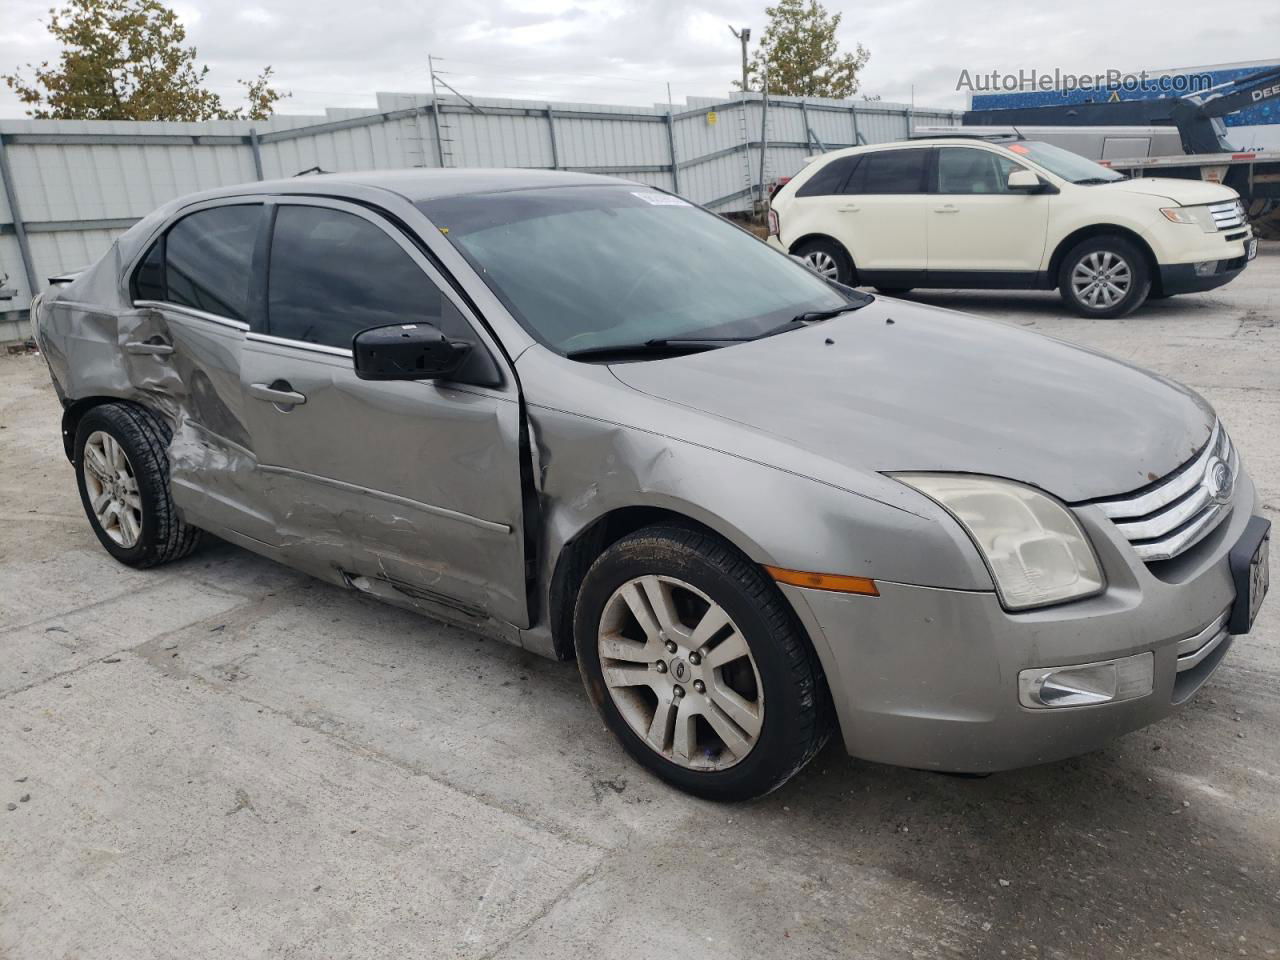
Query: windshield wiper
(812, 316)
(654, 347)
(1092, 181)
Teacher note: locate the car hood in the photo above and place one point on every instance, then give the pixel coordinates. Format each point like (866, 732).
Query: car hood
(901, 387)
(1185, 193)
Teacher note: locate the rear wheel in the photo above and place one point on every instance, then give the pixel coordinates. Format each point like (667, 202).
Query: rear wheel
(827, 259)
(1104, 277)
(697, 664)
(122, 471)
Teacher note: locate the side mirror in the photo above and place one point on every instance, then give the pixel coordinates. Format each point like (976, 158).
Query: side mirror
(407, 351)
(1024, 181)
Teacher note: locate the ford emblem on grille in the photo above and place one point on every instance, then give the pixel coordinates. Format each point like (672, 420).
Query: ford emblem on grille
(1218, 480)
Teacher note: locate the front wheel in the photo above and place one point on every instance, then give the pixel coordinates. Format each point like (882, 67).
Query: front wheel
(697, 664)
(122, 471)
(1104, 277)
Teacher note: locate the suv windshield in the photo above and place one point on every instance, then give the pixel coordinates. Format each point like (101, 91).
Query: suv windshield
(584, 268)
(1067, 165)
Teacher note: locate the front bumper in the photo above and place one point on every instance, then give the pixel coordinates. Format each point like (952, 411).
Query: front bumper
(929, 678)
(1184, 278)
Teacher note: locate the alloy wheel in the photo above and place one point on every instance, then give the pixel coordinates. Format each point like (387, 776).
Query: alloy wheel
(1101, 279)
(680, 673)
(823, 264)
(112, 488)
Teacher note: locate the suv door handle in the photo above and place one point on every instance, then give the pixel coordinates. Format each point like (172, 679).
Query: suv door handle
(154, 347)
(947, 208)
(848, 208)
(278, 392)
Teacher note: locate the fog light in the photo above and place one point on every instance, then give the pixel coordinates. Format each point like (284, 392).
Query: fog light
(1206, 268)
(1087, 684)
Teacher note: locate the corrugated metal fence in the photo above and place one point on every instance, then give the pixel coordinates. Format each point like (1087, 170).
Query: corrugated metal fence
(71, 186)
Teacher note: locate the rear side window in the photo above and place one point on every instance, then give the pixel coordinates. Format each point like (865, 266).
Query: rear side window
(334, 274)
(830, 179)
(890, 171)
(208, 260)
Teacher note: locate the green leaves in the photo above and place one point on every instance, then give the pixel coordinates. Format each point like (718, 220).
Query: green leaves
(800, 53)
(125, 60)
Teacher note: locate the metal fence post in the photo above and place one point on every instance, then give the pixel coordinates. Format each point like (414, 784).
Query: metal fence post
(19, 228)
(257, 153)
(671, 143)
(555, 147)
(857, 137)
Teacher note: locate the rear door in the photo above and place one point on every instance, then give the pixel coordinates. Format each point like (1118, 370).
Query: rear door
(193, 291)
(410, 486)
(883, 210)
(977, 224)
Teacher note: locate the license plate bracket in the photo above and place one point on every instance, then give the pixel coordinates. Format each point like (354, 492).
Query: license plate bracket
(1250, 569)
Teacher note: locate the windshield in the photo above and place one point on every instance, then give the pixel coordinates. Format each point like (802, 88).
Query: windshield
(1064, 163)
(587, 267)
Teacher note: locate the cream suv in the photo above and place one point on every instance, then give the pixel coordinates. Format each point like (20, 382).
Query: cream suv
(1009, 214)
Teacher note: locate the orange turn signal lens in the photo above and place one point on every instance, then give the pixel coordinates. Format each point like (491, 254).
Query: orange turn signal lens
(825, 581)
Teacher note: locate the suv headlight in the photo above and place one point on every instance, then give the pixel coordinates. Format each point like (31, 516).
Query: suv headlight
(1198, 215)
(1035, 549)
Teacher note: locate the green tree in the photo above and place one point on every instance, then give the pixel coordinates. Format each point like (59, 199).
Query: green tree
(125, 60)
(800, 52)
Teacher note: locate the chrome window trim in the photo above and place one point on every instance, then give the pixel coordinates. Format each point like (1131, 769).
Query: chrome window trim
(193, 313)
(299, 344)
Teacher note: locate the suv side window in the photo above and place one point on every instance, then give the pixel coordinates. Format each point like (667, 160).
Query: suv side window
(965, 170)
(830, 179)
(889, 172)
(333, 274)
(208, 261)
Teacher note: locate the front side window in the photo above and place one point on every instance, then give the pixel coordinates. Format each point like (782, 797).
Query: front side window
(208, 260)
(333, 274)
(596, 267)
(890, 172)
(963, 170)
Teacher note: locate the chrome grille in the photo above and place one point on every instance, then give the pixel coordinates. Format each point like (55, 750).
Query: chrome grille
(1164, 520)
(1227, 215)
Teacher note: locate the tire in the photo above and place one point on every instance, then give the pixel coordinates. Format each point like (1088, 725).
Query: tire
(140, 525)
(828, 259)
(1264, 215)
(775, 689)
(894, 291)
(1098, 267)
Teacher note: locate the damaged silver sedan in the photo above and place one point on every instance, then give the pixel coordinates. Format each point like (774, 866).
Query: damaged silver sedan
(600, 422)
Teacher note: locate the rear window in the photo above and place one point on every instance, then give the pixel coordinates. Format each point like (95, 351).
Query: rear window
(204, 261)
(830, 179)
(890, 171)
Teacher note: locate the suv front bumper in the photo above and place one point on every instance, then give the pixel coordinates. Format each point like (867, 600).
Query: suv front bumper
(929, 678)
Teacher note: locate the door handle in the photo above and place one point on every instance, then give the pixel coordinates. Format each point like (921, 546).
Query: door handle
(848, 208)
(278, 392)
(947, 208)
(153, 348)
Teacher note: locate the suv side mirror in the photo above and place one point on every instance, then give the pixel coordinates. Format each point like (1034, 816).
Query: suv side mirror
(407, 351)
(1024, 181)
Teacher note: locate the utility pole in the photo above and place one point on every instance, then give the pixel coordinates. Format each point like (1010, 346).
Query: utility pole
(744, 37)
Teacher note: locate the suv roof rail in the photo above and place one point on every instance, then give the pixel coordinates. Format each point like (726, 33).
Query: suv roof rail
(972, 133)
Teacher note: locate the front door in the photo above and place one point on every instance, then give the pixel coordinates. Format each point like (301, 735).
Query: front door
(977, 224)
(411, 486)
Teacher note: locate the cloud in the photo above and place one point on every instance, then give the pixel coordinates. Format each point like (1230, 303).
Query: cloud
(332, 53)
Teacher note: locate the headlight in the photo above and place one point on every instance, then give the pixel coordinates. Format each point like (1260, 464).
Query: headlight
(1034, 547)
(1198, 215)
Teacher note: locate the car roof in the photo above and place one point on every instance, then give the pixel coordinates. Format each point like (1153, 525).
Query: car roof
(420, 184)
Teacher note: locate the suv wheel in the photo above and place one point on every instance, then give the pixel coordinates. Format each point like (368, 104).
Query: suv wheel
(697, 664)
(122, 471)
(1104, 277)
(827, 259)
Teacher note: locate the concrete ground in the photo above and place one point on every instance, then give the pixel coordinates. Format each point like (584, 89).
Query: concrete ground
(226, 759)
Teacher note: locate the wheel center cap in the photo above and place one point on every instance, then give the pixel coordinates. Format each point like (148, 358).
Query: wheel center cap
(680, 670)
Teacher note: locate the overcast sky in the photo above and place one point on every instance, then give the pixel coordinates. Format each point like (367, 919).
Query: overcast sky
(339, 52)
